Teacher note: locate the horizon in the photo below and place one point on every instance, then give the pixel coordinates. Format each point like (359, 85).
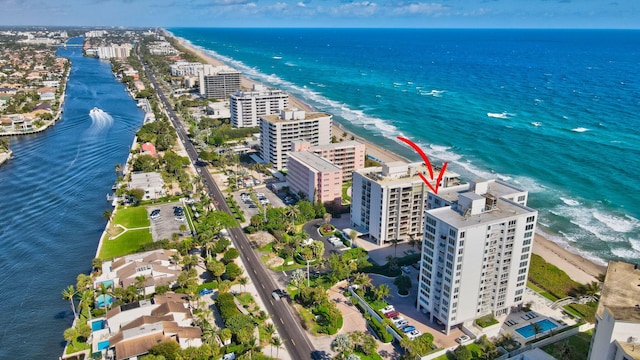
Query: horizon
(385, 14)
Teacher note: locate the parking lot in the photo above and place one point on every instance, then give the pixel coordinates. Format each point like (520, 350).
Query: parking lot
(165, 224)
(249, 207)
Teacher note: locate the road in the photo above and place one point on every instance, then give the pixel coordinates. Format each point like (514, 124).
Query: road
(294, 337)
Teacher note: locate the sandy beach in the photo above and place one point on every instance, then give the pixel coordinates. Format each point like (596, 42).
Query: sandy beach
(577, 267)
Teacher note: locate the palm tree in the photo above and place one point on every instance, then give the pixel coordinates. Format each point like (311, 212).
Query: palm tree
(415, 243)
(537, 329)
(277, 342)
(104, 291)
(140, 283)
(393, 262)
(395, 246)
(362, 279)
(243, 281)
(381, 292)
(566, 351)
(86, 299)
(68, 294)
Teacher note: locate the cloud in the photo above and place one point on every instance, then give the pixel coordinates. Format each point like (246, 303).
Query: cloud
(360, 9)
(419, 8)
(229, 2)
(301, 4)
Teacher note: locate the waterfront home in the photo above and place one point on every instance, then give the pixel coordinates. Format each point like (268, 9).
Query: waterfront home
(150, 182)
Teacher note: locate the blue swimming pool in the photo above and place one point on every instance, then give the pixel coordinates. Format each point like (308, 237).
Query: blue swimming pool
(97, 325)
(527, 331)
(101, 299)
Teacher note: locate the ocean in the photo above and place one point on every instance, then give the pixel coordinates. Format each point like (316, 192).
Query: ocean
(52, 197)
(551, 111)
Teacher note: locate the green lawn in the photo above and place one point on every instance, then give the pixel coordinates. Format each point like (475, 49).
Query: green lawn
(132, 217)
(127, 243)
(578, 345)
(476, 353)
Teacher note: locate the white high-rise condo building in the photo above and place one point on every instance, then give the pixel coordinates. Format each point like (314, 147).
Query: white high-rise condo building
(475, 252)
(247, 106)
(218, 82)
(277, 132)
(388, 202)
(617, 334)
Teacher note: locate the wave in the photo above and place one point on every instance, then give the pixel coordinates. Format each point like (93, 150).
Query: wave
(536, 123)
(579, 129)
(277, 57)
(569, 202)
(616, 223)
(434, 93)
(502, 115)
(290, 64)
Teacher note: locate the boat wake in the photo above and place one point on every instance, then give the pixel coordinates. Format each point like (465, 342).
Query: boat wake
(100, 121)
(502, 115)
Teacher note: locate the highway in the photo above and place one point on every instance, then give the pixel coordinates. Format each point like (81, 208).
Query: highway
(295, 340)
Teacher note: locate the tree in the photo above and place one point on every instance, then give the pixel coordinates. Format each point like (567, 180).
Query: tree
(415, 243)
(392, 261)
(537, 329)
(342, 345)
(297, 279)
(362, 280)
(565, 351)
(86, 300)
(70, 334)
(84, 330)
(107, 214)
(230, 255)
(326, 217)
(403, 283)
(136, 195)
(381, 292)
(96, 263)
(232, 271)
(168, 348)
(217, 268)
(462, 353)
(277, 342)
(145, 163)
(307, 254)
(395, 242)
(69, 294)
(243, 281)
(83, 282)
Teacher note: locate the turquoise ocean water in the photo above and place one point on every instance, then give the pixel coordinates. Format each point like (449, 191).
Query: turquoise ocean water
(552, 111)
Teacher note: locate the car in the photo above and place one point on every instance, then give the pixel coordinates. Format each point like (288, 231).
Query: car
(391, 314)
(406, 270)
(260, 195)
(408, 329)
(252, 206)
(401, 323)
(414, 334)
(278, 294)
(387, 308)
(462, 339)
(205, 291)
(229, 356)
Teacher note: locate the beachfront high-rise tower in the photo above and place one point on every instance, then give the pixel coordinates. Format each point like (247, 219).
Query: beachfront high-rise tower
(388, 202)
(476, 251)
(247, 106)
(617, 334)
(277, 132)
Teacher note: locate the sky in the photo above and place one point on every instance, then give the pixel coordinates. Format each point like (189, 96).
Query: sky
(592, 14)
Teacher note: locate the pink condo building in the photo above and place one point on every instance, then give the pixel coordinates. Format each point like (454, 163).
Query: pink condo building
(349, 155)
(317, 178)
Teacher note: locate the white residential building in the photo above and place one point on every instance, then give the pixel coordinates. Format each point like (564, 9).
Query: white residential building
(248, 106)
(114, 51)
(150, 182)
(475, 253)
(219, 82)
(617, 333)
(277, 132)
(183, 68)
(389, 201)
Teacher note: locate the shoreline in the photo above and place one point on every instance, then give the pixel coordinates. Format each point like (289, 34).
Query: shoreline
(577, 267)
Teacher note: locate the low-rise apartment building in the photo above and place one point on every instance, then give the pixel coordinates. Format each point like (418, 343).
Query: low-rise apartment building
(317, 178)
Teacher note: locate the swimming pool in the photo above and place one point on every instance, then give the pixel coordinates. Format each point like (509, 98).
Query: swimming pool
(527, 331)
(97, 325)
(101, 299)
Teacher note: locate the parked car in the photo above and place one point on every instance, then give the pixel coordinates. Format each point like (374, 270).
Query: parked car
(462, 339)
(387, 308)
(400, 323)
(414, 334)
(406, 270)
(205, 291)
(408, 329)
(391, 314)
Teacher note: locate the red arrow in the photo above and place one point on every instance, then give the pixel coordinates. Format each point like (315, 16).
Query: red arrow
(425, 158)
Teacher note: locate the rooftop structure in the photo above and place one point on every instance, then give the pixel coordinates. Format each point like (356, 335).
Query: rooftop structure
(150, 182)
(617, 334)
